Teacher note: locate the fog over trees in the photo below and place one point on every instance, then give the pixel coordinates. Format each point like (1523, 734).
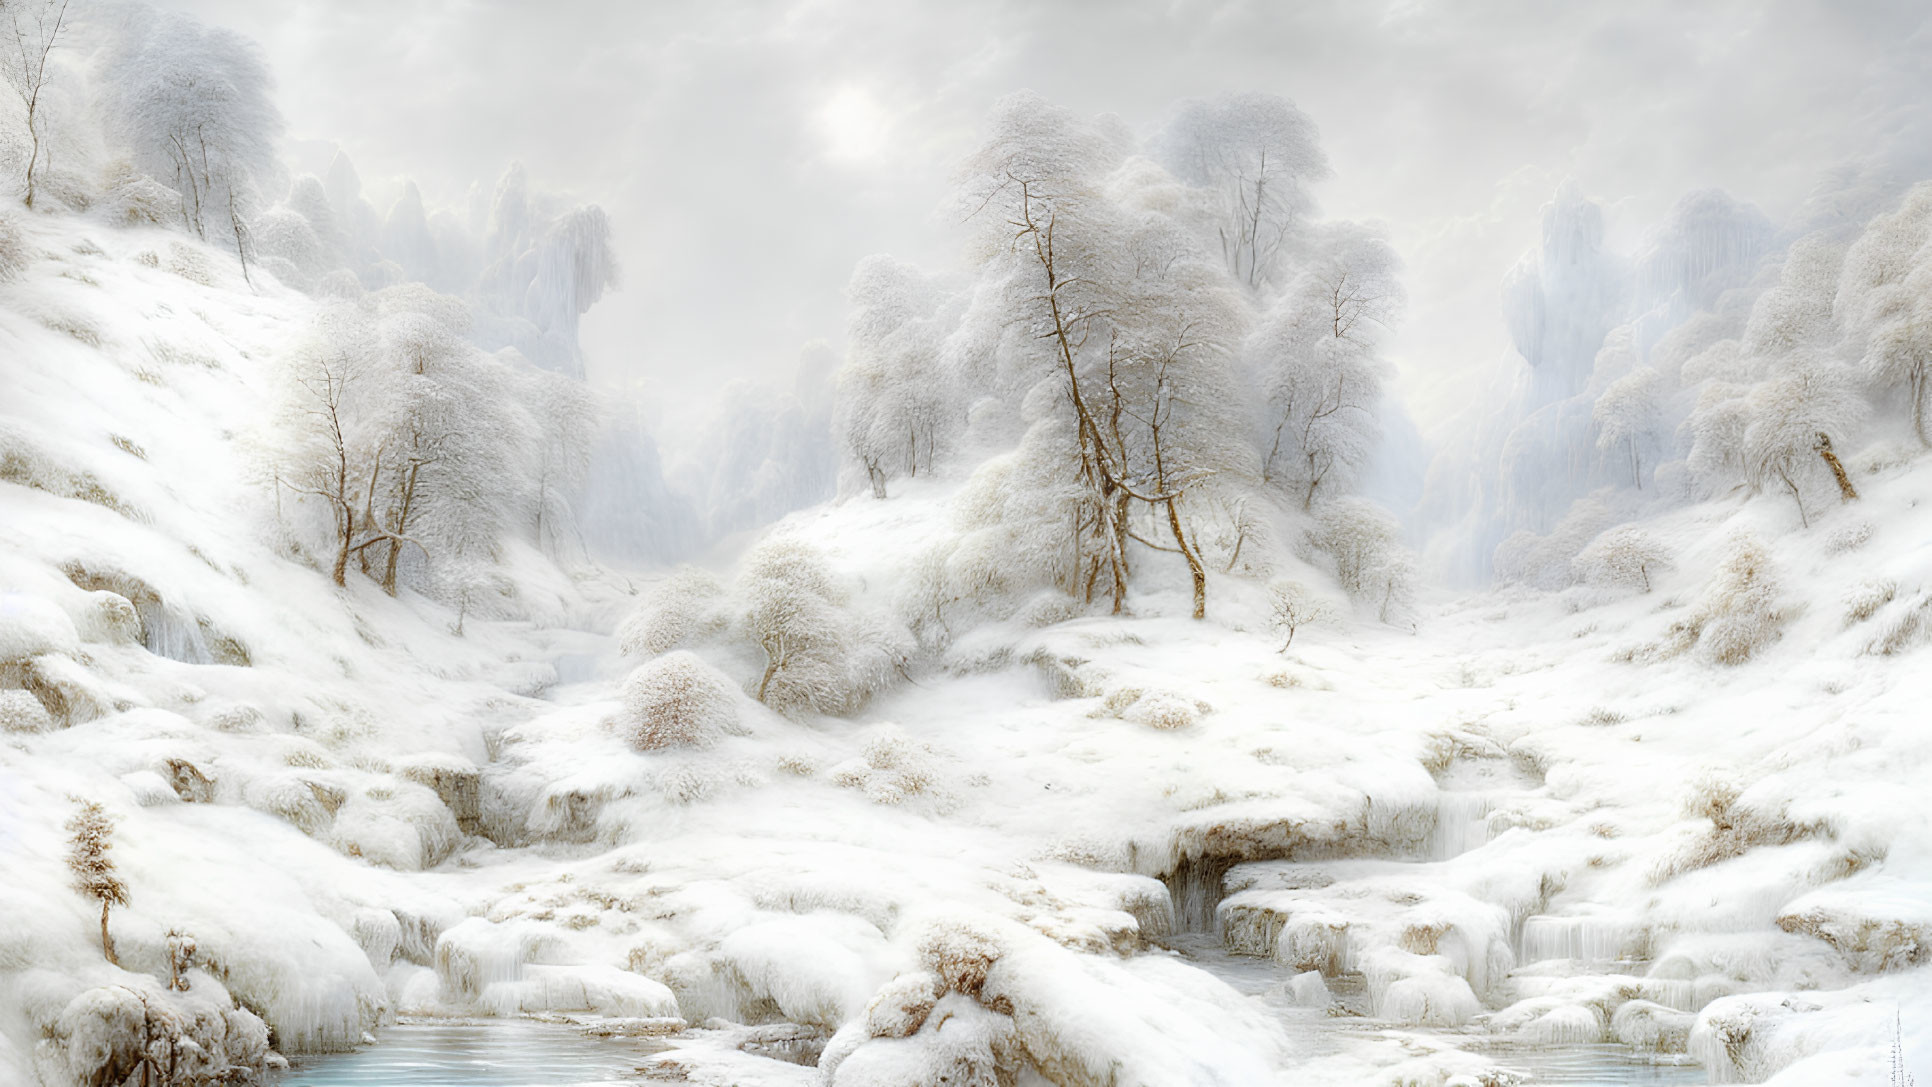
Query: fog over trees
(1129, 639)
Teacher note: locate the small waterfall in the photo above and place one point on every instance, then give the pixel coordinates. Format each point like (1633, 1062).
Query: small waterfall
(172, 632)
(1583, 939)
(1196, 887)
(1462, 823)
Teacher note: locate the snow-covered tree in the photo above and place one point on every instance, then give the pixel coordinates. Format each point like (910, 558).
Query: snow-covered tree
(321, 440)
(1256, 155)
(30, 31)
(1622, 556)
(893, 395)
(1717, 427)
(1628, 416)
(91, 832)
(1361, 539)
(792, 617)
(191, 103)
(1791, 420)
(1316, 361)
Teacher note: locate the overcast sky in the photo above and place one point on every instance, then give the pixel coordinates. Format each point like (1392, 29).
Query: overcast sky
(750, 152)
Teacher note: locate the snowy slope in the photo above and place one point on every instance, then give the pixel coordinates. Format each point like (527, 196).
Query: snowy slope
(1529, 819)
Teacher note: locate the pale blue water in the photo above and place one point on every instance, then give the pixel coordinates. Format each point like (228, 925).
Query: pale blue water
(521, 1053)
(495, 1053)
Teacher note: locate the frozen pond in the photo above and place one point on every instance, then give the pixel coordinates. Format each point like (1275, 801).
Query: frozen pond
(476, 1053)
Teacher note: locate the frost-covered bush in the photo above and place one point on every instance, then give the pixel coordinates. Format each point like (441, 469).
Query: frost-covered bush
(139, 200)
(1625, 556)
(687, 605)
(20, 711)
(893, 769)
(1739, 612)
(677, 700)
(1863, 600)
(14, 252)
(1162, 710)
(821, 654)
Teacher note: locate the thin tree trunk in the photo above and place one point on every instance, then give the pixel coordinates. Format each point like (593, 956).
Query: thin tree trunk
(1846, 491)
(1194, 567)
(107, 942)
(1795, 497)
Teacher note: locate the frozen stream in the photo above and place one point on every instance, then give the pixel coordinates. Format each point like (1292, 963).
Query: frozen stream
(477, 1053)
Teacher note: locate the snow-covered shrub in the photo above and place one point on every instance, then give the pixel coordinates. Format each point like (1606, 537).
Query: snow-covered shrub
(1849, 536)
(1863, 600)
(1910, 626)
(1624, 556)
(1161, 710)
(685, 606)
(1359, 537)
(14, 248)
(139, 200)
(821, 655)
(1644, 1024)
(20, 711)
(1739, 613)
(677, 700)
(893, 769)
(190, 263)
(1545, 561)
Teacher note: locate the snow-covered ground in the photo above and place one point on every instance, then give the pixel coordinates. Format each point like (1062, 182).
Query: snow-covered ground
(1531, 818)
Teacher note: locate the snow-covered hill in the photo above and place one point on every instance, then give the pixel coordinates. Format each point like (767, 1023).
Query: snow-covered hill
(1543, 817)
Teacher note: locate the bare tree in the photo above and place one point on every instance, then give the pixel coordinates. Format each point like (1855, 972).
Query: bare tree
(1294, 607)
(92, 832)
(35, 29)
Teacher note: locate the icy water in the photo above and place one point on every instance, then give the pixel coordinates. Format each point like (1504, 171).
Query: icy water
(1314, 1033)
(493, 1053)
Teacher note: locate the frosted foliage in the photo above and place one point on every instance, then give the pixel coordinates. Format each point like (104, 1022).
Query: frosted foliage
(1627, 557)
(1545, 561)
(687, 605)
(1883, 292)
(1628, 418)
(677, 700)
(1257, 156)
(1739, 613)
(1315, 358)
(1792, 418)
(192, 105)
(1361, 540)
(1797, 312)
(1717, 427)
(893, 391)
(92, 836)
(20, 711)
(821, 654)
(14, 248)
